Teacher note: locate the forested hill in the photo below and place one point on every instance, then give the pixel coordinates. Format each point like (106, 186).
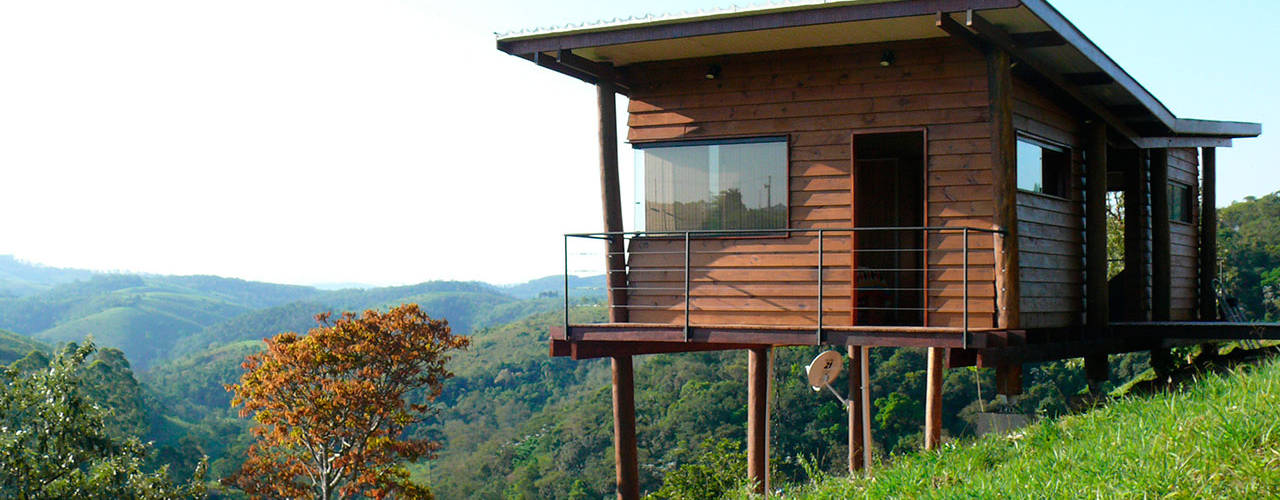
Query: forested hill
(152, 317)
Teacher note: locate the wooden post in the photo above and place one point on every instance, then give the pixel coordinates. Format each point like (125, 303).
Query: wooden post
(624, 399)
(1161, 258)
(611, 200)
(1009, 379)
(1096, 371)
(865, 395)
(1004, 165)
(1096, 229)
(1135, 237)
(856, 463)
(1208, 234)
(624, 429)
(758, 417)
(933, 398)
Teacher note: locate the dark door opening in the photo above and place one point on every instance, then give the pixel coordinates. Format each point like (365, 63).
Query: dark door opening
(888, 192)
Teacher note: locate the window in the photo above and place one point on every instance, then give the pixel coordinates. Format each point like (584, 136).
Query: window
(1179, 202)
(737, 184)
(1043, 167)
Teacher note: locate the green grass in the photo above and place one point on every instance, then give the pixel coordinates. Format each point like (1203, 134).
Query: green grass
(1218, 437)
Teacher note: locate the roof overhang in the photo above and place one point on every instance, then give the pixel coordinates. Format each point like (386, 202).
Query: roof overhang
(1032, 31)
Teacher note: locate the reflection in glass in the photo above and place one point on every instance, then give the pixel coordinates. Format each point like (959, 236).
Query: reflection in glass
(712, 186)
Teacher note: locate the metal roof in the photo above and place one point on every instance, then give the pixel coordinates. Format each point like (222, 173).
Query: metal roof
(1031, 30)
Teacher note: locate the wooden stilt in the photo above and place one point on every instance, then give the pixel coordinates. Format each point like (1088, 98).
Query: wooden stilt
(1009, 379)
(1096, 371)
(1005, 182)
(865, 395)
(624, 429)
(856, 462)
(758, 417)
(1098, 305)
(933, 398)
(1208, 234)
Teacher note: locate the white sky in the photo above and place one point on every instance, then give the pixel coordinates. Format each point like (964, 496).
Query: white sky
(389, 142)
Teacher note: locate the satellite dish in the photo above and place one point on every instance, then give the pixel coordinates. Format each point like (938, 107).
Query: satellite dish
(824, 369)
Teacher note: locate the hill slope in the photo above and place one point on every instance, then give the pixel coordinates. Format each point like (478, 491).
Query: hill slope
(1217, 438)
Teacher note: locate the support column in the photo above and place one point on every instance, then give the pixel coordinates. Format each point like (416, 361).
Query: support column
(1009, 379)
(1135, 237)
(624, 429)
(1208, 234)
(611, 200)
(865, 395)
(624, 399)
(933, 398)
(1098, 305)
(1161, 258)
(1096, 371)
(856, 462)
(758, 417)
(1005, 183)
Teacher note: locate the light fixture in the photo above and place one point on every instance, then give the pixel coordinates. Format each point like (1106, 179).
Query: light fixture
(713, 71)
(887, 58)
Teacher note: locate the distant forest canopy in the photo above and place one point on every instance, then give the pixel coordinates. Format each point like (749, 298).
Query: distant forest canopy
(515, 422)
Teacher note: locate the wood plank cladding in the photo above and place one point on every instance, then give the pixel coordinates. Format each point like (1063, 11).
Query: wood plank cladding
(1051, 229)
(1184, 166)
(819, 98)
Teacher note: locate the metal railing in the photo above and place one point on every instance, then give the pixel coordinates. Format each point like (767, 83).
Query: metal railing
(903, 274)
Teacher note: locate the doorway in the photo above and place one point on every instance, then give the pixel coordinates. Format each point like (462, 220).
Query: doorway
(888, 192)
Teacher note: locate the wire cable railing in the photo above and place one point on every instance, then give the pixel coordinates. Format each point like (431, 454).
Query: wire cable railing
(879, 276)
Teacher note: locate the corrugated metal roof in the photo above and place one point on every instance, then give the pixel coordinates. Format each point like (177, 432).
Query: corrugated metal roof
(675, 17)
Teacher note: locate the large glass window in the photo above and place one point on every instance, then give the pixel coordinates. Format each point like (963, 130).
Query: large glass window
(739, 184)
(1179, 202)
(1043, 167)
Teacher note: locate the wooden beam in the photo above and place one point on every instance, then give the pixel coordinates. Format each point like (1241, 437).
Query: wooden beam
(604, 72)
(1088, 78)
(933, 398)
(1161, 250)
(607, 349)
(758, 418)
(1208, 234)
(611, 199)
(1135, 236)
(856, 461)
(944, 22)
(779, 335)
(624, 429)
(1005, 183)
(1197, 330)
(1182, 142)
(1038, 39)
(1097, 303)
(1001, 39)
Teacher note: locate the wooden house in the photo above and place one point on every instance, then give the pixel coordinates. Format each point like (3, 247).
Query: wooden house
(927, 173)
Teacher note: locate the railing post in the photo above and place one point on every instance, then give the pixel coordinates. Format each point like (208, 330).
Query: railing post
(566, 287)
(687, 298)
(964, 340)
(820, 264)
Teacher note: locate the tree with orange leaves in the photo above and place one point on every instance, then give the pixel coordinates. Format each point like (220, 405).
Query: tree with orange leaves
(331, 408)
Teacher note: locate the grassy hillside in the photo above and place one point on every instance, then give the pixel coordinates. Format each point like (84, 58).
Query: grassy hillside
(1218, 437)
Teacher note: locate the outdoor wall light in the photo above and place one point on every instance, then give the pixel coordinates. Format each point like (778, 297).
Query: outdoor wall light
(713, 71)
(887, 58)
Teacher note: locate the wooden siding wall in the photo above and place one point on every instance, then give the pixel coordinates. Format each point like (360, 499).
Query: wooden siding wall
(819, 98)
(1184, 237)
(1051, 229)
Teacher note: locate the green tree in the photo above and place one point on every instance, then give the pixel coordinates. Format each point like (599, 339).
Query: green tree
(721, 468)
(54, 442)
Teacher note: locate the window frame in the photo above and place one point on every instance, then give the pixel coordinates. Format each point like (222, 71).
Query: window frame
(1043, 143)
(1188, 203)
(782, 232)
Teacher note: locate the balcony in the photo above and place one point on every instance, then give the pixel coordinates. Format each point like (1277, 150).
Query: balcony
(893, 286)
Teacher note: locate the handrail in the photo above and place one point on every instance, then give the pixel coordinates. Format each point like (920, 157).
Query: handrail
(890, 285)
